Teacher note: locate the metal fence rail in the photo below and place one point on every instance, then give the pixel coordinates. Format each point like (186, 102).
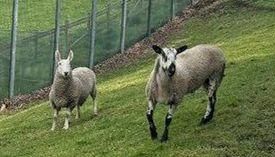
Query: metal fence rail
(95, 30)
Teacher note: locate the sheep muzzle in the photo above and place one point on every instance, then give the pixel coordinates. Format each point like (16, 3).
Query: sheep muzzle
(171, 70)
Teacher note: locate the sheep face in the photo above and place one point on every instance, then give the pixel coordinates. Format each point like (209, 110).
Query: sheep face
(63, 65)
(168, 58)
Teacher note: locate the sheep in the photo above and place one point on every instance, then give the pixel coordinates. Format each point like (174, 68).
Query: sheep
(180, 71)
(71, 88)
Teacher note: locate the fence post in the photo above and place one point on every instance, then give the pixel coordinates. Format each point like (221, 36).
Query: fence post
(123, 25)
(57, 33)
(67, 36)
(13, 47)
(149, 17)
(92, 34)
(172, 9)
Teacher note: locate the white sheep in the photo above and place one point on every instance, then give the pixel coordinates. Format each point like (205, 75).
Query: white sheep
(71, 88)
(175, 74)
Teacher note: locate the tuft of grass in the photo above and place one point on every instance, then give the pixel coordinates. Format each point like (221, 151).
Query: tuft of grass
(244, 120)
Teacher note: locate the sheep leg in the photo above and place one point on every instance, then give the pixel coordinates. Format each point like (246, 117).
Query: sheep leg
(211, 102)
(55, 115)
(67, 118)
(77, 112)
(168, 119)
(152, 126)
(95, 107)
(93, 95)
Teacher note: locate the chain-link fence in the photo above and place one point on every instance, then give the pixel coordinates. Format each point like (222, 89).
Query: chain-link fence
(94, 29)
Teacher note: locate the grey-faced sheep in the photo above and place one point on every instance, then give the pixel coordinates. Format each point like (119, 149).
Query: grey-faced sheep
(71, 88)
(181, 71)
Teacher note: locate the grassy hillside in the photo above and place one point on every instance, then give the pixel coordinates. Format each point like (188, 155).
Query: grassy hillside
(244, 120)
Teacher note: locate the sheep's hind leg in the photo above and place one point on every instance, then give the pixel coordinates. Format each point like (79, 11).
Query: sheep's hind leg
(67, 118)
(168, 119)
(77, 116)
(212, 88)
(95, 107)
(152, 126)
(93, 95)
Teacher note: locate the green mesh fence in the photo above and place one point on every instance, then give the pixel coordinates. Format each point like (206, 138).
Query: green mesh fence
(78, 41)
(180, 5)
(136, 28)
(33, 64)
(74, 30)
(161, 13)
(4, 73)
(36, 23)
(5, 27)
(35, 45)
(108, 31)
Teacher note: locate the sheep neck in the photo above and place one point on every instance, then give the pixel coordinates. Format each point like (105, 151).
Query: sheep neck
(62, 85)
(162, 80)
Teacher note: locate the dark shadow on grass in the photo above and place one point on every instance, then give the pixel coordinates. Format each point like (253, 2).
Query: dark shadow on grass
(85, 117)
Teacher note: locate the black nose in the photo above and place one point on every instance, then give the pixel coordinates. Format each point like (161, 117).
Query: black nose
(66, 73)
(171, 70)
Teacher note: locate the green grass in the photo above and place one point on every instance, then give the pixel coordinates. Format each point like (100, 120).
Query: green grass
(244, 120)
(40, 15)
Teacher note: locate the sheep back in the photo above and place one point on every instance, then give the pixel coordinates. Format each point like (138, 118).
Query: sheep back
(87, 80)
(195, 66)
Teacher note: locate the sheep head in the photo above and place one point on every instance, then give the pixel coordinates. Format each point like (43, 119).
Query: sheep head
(168, 57)
(63, 65)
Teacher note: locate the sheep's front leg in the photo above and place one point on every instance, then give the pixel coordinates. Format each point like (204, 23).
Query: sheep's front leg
(55, 115)
(67, 118)
(168, 119)
(77, 112)
(152, 126)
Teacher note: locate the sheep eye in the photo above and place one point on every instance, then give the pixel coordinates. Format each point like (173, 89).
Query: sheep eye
(59, 63)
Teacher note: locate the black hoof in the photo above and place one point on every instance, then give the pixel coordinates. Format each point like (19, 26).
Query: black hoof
(154, 137)
(154, 134)
(164, 139)
(205, 120)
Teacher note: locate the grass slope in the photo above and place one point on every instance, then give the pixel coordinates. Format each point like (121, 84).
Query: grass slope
(244, 120)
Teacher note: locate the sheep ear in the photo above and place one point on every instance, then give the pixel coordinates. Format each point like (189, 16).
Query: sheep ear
(157, 49)
(181, 49)
(70, 56)
(57, 56)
